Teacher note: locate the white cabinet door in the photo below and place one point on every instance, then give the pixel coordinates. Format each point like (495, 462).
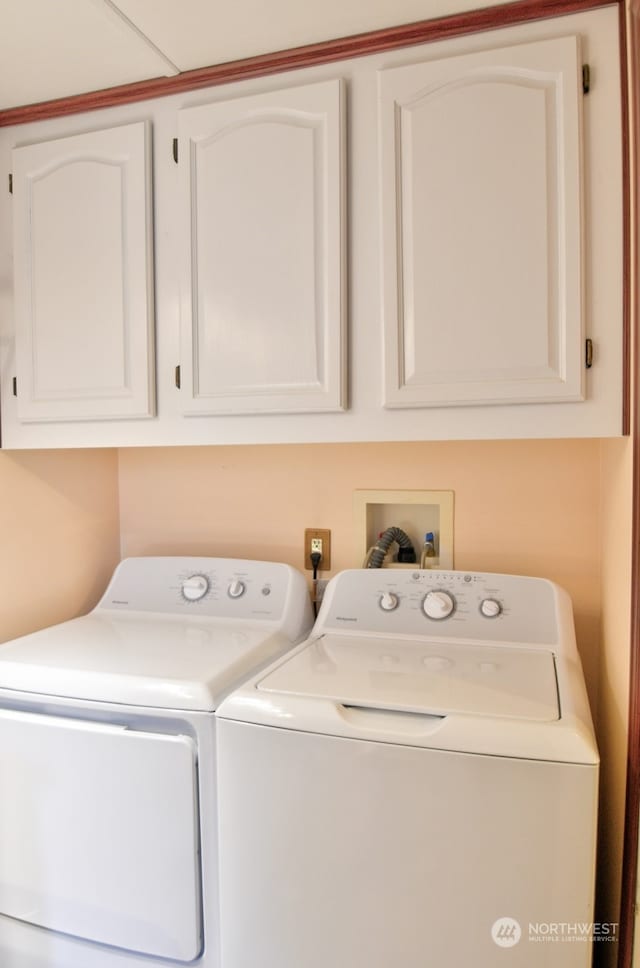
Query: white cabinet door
(84, 276)
(482, 242)
(262, 288)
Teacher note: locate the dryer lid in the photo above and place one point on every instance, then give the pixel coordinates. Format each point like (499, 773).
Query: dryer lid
(160, 661)
(438, 678)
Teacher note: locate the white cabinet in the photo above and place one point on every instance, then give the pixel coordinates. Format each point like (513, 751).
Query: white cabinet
(262, 281)
(483, 194)
(482, 235)
(83, 276)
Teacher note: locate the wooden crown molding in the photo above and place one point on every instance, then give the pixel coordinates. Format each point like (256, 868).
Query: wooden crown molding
(359, 45)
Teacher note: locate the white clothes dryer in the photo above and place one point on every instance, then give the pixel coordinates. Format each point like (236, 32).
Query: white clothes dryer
(108, 813)
(415, 785)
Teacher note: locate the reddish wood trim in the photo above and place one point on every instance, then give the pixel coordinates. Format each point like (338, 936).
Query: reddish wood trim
(632, 805)
(425, 31)
(626, 229)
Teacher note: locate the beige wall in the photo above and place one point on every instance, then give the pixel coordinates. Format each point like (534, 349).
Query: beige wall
(60, 535)
(528, 507)
(612, 719)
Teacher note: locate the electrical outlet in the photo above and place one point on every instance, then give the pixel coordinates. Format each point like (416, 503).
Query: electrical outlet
(316, 539)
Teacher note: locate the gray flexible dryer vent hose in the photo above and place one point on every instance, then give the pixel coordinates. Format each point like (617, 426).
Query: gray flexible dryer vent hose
(384, 543)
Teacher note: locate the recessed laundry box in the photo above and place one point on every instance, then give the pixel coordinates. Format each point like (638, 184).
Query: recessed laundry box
(414, 785)
(108, 811)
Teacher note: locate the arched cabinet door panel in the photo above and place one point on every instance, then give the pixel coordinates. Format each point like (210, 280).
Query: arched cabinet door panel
(482, 214)
(262, 280)
(83, 271)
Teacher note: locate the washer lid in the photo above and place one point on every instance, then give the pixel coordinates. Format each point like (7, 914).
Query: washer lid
(139, 659)
(422, 677)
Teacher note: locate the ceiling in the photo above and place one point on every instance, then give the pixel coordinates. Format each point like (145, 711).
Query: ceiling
(56, 48)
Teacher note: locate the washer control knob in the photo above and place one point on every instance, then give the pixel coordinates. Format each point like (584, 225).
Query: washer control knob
(438, 605)
(388, 601)
(236, 588)
(490, 608)
(195, 587)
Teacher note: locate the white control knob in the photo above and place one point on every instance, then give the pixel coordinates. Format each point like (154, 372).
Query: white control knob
(195, 587)
(388, 601)
(236, 588)
(438, 605)
(490, 608)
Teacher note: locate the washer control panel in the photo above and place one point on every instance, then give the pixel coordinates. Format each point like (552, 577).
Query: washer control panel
(219, 587)
(443, 604)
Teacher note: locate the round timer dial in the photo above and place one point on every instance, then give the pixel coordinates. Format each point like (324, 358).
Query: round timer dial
(438, 605)
(195, 587)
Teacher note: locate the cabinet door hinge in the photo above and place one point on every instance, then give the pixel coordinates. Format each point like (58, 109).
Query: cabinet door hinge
(177, 376)
(586, 78)
(588, 353)
(15, 386)
(10, 183)
(175, 150)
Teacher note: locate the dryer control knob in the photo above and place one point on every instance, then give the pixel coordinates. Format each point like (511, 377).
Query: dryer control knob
(195, 587)
(438, 605)
(388, 601)
(490, 608)
(236, 588)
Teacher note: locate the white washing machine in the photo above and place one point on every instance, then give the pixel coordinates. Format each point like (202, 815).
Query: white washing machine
(108, 843)
(415, 785)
